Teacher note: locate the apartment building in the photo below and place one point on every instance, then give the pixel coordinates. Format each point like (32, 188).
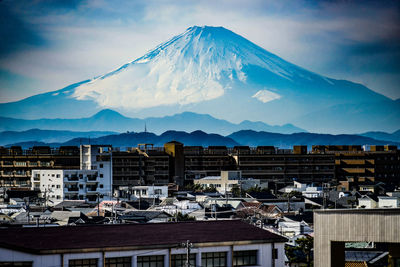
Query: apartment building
(355, 164)
(200, 162)
(140, 166)
(208, 243)
(16, 164)
(56, 186)
(270, 164)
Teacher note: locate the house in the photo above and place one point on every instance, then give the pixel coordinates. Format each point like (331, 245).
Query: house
(144, 216)
(211, 243)
(388, 202)
(146, 191)
(367, 202)
(227, 180)
(310, 191)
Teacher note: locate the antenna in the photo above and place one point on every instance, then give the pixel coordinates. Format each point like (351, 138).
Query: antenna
(145, 128)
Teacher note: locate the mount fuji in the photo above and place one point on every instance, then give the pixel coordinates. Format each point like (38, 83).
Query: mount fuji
(213, 70)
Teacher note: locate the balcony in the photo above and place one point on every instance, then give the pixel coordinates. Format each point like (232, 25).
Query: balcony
(91, 178)
(72, 189)
(91, 189)
(72, 178)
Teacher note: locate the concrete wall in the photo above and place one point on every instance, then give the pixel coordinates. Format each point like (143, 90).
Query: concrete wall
(333, 227)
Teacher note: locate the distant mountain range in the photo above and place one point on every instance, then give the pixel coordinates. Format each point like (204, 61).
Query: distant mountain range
(395, 137)
(109, 120)
(215, 71)
(199, 138)
(46, 136)
(252, 138)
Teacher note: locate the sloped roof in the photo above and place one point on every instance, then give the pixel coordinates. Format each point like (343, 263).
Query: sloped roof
(125, 236)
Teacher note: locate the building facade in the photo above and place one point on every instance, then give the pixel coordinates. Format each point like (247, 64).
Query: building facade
(16, 164)
(215, 243)
(56, 186)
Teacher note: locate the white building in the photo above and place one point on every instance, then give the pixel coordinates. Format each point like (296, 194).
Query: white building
(388, 202)
(309, 191)
(212, 243)
(93, 180)
(59, 185)
(367, 202)
(147, 191)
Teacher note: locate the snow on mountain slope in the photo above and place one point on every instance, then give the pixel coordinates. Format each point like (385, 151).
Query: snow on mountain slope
(196, 66)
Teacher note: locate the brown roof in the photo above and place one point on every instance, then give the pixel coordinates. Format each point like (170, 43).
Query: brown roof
(255, 204)
(98, 237)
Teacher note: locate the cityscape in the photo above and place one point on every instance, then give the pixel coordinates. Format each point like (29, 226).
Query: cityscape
(199, 133)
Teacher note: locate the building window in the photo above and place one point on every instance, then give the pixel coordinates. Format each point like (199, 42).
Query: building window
(101, 186)
(158, 192)
(144, 192)
(57, 176)
(216, 259)
(101, 165)
(58, 186)
(179, 260)
(245, 258)
(119, 262)
(101, 175)
(83, 263)
(150, 261)
(58, 197)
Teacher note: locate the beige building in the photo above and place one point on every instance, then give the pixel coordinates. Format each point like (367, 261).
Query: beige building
(227, 181)
(334, 228)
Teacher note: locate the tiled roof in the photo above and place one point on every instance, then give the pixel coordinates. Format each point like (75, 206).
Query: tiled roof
(98, 237)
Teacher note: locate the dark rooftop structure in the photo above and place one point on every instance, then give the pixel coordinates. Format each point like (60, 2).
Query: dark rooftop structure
(131, 236)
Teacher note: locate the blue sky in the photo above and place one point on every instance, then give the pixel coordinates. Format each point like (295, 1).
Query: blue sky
(47, 45)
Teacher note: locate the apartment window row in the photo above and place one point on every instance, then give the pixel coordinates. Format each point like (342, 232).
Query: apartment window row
(209, 259)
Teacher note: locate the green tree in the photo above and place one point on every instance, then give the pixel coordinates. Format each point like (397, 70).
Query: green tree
(302, 252)
(210, 189)
(235, 191)
(184, 217)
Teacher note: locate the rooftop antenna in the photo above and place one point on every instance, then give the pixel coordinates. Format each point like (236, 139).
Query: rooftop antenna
(145, 128)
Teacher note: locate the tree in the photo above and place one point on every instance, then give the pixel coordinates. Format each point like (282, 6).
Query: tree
(184, 217)
(302, 252)
(235, 191)
(210, 189)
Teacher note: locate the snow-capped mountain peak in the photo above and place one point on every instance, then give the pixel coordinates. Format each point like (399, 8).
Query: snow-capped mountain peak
(197, 65)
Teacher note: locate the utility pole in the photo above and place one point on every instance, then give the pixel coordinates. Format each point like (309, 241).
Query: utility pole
(216, 210)
(188, 246)
(98, 205)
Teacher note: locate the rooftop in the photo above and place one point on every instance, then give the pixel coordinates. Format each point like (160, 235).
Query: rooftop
(65, 239)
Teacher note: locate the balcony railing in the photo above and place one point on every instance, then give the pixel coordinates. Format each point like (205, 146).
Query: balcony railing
(72, 189)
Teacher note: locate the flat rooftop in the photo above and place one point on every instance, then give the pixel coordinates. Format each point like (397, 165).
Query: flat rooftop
(63, 239)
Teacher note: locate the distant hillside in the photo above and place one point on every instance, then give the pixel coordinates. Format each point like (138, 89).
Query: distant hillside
(395, 137)
(199, 138)
(46, 136)
(109, 120)
(196, 138)
(253, 138)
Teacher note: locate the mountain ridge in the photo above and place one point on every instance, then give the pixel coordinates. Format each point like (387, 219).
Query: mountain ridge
(114, 121)
(200, 138)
